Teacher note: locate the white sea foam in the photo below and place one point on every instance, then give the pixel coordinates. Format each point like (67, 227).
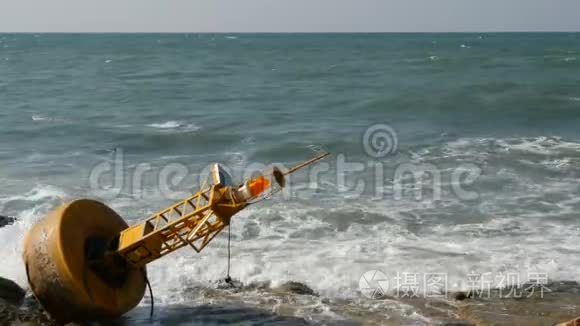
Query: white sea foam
(334, 262)
(166, 125)
(40, 193)
(543, 145)
(41, 118)
(331, 247)
(45, 118)
(39, 200)
(176, 125)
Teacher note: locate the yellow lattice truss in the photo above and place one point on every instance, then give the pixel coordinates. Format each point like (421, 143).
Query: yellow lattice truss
(192, 222)
(196, 220)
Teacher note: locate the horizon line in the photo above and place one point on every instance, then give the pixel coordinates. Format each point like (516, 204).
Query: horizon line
(301, 32)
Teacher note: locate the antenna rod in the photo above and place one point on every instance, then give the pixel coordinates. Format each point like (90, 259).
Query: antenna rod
(304, 164)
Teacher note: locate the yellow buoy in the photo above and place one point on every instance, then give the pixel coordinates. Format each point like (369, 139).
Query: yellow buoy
(84, 263)
(66, 269)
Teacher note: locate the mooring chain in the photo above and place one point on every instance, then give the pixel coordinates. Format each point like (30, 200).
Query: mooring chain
(228, 277)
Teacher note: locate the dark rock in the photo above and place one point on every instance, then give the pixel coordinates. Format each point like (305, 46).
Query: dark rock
(296, 288)
(6, 220)
(8, 312)
(559, 286)
(29, 314)
(16, 309)
(259, 285)
(460, 296)
(11, 292)
(229, 284)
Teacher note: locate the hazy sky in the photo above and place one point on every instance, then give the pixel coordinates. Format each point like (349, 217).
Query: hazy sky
(288, 15)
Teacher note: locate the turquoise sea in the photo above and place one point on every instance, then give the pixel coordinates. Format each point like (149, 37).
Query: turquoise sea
(494, 115)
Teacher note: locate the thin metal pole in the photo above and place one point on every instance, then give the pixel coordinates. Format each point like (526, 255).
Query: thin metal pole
(303, 164)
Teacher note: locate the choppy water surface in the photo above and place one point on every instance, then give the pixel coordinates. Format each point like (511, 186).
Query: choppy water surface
(501, 108)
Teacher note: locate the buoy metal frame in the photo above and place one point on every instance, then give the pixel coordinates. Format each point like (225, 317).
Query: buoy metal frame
(194, 221)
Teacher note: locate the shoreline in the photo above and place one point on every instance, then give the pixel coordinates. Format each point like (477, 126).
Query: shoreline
(559, 305)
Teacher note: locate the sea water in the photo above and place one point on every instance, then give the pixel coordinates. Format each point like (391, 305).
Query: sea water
(453, 154)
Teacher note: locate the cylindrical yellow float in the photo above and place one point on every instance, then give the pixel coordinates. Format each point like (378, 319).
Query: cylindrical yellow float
(70, 269)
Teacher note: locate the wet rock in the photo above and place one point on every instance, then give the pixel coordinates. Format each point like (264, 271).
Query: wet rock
(8, 312)
(30, 313)
(570, 323)
(10, 292)
(296, 288)
(259, 285)
(537, 307)
(6, 220)
(559, 286)
(460, 296)
(229, 284)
